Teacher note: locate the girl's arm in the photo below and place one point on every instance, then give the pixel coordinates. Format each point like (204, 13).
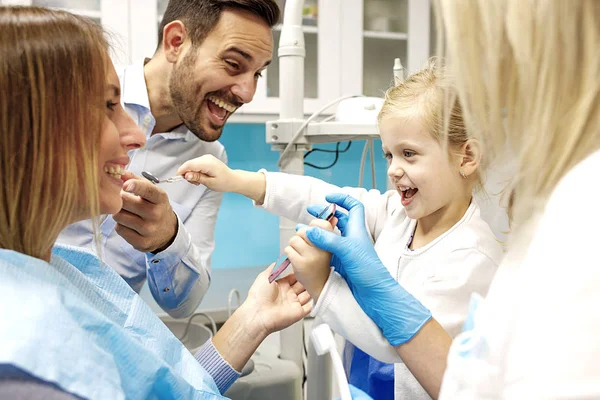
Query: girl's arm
(425, 356)
(282, 194)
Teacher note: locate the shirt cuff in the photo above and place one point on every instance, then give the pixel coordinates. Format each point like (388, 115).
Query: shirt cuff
(266, 174)
(161, 271)
(327, 294)
(173, 254)
(222, 373)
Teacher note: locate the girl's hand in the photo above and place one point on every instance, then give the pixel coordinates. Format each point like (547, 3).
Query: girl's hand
(208, 171)
(311, 265)
(216, 175)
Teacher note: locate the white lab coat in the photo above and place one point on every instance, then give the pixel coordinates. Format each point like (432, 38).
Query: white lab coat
(537, 334)
(442, 275)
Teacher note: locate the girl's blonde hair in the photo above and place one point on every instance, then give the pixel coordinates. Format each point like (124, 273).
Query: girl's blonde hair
(426, 95)
(52, 77)
(527, 74)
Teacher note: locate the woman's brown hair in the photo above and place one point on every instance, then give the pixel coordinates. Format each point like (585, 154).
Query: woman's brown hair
(52, 78)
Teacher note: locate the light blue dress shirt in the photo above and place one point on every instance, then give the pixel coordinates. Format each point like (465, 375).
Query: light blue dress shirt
(179, 276)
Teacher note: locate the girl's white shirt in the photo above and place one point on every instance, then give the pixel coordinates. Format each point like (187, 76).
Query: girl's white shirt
(442, 274)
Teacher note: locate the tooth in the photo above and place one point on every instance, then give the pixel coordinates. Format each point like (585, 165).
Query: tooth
(222, 104)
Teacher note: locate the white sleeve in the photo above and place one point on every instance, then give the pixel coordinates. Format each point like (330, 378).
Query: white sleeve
(288, 195)
(338, 308)
(447, 294)
(541, 321)
(554, 348)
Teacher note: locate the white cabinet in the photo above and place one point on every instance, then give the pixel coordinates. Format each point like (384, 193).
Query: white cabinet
(112, 14)
(392, 28)
(350, 48)
(322, 36)
(350, 44)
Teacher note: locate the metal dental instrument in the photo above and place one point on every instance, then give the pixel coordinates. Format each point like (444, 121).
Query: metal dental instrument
(282, 261)
(156, 181)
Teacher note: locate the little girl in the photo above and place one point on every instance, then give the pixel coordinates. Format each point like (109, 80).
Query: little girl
(428, 232)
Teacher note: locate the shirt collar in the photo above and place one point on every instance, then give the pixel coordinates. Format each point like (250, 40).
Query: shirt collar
(134, 90)
(180, 132)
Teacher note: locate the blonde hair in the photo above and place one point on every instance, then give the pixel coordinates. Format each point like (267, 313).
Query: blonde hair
(52, 77)
(527, 74)
(425, 95)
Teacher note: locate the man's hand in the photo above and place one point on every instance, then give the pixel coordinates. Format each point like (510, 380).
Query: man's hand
(146, 221)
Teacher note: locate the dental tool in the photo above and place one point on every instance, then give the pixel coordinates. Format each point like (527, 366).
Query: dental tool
(156, 181)
(282, 261)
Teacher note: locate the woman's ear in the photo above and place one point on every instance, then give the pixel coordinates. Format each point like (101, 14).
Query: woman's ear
(470, 156)
(174, 36)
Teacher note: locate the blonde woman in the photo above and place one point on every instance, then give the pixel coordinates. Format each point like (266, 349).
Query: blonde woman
(428, 232)
(527, 74)
(71, 327)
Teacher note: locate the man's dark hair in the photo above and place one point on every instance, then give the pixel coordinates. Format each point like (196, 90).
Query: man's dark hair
(201, 16)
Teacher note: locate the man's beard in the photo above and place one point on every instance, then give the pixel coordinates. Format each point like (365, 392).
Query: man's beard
(183, 96)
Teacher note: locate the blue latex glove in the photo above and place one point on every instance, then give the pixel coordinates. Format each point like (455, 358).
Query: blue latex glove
(399, 315)
(358, 394)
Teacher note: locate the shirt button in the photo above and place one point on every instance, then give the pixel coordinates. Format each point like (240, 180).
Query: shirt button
(166, 289)
(155, 261)
(147, 119)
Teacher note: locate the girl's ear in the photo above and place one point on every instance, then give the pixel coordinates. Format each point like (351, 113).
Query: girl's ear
(470, 156)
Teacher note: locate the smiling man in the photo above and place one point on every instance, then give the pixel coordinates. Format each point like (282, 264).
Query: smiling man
(210, 56)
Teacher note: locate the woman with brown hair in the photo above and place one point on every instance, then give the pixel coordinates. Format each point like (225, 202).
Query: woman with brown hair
(70, 327)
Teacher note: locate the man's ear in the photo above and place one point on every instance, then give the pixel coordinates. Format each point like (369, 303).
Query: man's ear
(174, 36)
(470, 156)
